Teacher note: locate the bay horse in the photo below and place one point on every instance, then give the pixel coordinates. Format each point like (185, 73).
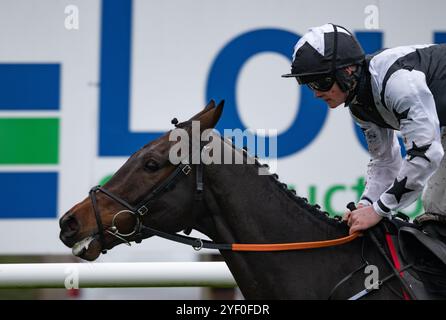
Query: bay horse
(230, 203)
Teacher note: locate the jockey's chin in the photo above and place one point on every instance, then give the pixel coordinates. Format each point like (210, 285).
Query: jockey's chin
(334, 104)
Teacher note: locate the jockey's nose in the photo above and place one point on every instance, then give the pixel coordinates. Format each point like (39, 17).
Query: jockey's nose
(69, 225)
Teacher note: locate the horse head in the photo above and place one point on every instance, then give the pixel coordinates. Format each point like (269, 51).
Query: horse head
(147, 190)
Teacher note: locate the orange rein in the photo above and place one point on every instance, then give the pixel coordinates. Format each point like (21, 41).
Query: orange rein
(294, 245)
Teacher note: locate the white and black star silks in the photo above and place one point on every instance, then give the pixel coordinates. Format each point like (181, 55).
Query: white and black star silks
(407, 94)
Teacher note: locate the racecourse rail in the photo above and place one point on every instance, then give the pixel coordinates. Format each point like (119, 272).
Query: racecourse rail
(116, 275)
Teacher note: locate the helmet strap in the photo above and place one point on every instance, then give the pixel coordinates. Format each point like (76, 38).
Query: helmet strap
(335, 49)
(349, 83)
(345, 81)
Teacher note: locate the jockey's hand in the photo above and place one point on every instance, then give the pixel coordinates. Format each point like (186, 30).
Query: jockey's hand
(347, 214)
(363, 218)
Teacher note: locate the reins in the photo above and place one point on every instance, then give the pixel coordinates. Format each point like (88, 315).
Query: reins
(142, 232)
(199, 244)
(294, 245)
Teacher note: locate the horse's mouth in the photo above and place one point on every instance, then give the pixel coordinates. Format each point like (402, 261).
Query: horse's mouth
(87, 248)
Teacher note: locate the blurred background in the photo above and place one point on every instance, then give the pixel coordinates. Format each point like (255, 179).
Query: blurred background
(85, 83)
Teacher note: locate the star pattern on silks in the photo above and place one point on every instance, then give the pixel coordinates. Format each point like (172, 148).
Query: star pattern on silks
(399, 189)
(402, 115)
(418, 151)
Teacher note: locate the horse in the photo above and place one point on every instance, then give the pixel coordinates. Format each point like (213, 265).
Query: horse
(230, 203)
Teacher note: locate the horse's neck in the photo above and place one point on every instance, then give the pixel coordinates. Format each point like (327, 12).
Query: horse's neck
(245, 207)
(248, 208)
(252, 208)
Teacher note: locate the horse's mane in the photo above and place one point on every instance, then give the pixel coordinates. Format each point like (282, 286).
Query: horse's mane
(302, 202)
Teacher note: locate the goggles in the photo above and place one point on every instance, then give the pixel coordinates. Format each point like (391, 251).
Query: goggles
(320, 83)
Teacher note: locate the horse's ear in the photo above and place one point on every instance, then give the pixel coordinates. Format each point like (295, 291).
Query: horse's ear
(218, 111)
(210, 118)
(209, 106)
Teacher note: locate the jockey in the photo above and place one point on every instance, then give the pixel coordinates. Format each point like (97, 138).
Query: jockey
(402, 88)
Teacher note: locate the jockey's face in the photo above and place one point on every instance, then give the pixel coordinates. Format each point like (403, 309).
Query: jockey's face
(333, 97)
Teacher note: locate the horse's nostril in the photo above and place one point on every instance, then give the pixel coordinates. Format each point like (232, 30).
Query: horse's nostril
(69, 225)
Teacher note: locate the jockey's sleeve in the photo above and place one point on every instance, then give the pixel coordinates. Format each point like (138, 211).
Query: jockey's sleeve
(409, 99)
(384, 163)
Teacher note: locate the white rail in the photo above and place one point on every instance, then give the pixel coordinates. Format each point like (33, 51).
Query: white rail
(103, 275)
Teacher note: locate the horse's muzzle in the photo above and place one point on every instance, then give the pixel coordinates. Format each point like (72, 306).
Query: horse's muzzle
(69, 228)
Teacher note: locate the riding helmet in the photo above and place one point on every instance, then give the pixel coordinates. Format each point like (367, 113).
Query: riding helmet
(326, 50)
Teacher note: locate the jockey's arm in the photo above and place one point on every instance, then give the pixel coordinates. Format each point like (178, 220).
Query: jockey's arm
(385, 161)
(408, 96)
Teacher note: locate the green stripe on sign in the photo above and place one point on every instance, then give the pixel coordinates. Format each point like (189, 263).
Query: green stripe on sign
(29, 140)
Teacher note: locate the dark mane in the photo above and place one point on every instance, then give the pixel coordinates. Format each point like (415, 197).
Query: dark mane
(302, 202)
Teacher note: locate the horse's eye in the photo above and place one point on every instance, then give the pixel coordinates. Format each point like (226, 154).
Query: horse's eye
(152, 165)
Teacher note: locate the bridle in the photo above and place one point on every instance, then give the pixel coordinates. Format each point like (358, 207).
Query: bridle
(142, 231)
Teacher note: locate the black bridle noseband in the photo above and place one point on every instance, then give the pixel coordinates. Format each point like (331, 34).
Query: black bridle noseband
(141, 231)
(139, 211)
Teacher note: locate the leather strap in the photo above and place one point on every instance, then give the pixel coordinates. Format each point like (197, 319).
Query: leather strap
(293, 245)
